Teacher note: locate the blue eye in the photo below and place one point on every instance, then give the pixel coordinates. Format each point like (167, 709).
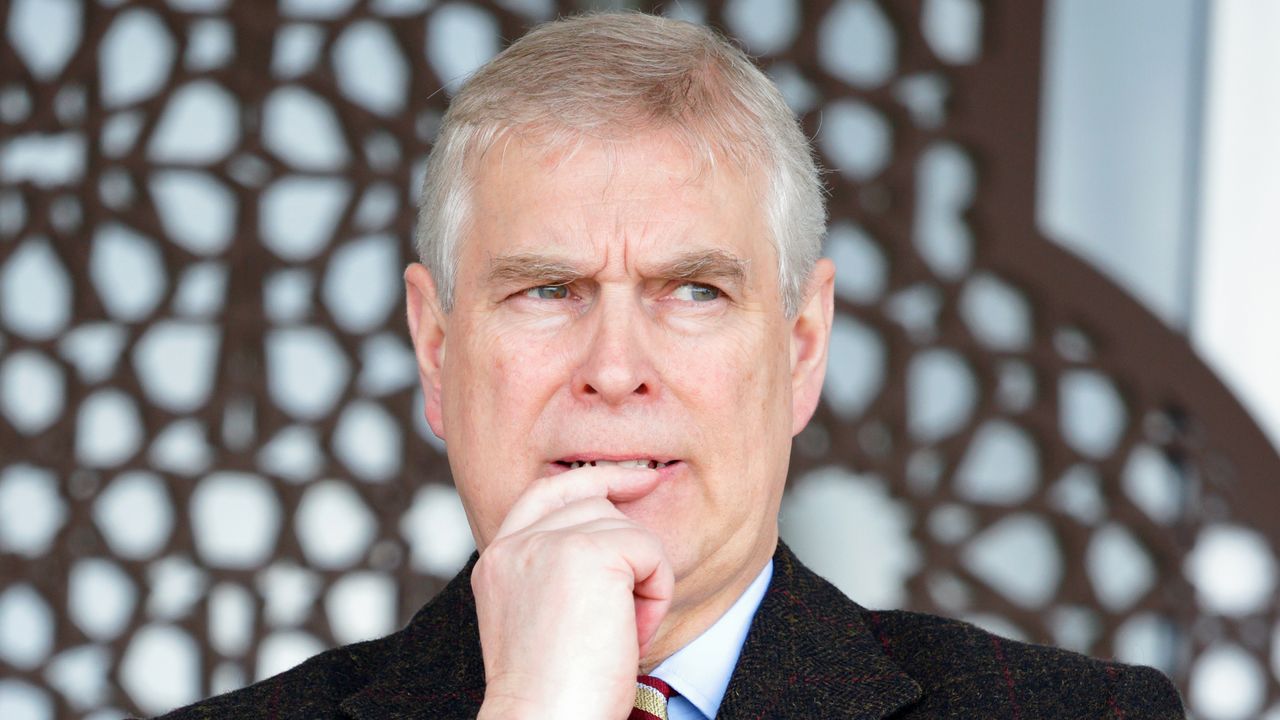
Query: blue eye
(548, 292)
(695, 292)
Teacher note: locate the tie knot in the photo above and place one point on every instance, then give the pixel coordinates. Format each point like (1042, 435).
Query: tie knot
(651, 699)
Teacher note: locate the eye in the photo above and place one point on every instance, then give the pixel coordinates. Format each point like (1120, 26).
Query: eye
(548, 292)
(696, 292)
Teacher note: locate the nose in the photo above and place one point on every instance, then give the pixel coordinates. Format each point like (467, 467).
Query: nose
(616, 366)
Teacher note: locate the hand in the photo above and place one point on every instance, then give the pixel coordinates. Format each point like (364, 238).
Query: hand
(569, 594)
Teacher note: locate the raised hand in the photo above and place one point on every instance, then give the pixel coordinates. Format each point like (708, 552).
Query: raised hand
(568, 595)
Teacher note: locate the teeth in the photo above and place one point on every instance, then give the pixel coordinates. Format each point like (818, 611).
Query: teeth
(638, 463)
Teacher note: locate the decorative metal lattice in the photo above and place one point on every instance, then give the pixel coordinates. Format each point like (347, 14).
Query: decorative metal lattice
(208, 466)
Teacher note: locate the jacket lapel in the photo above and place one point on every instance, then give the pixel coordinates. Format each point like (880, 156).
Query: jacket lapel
(809, 653)
(434, 668)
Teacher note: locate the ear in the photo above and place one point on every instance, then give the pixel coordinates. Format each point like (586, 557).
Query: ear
(810, 336)
(427, 328)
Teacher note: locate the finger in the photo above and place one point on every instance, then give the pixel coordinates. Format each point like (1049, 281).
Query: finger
(649, 616)
(654, 589)
(643, 558)
(577, 514)
(548, 494)
(640, 550)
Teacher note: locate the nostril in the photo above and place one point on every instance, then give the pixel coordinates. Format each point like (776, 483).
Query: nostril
(617, 393)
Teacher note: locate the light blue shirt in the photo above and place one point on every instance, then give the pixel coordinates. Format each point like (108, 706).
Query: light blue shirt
(700, 671)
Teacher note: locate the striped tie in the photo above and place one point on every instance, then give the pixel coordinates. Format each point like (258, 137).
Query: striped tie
(651, 699)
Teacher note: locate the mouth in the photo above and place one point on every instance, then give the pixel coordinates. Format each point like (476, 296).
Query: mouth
(639, 463)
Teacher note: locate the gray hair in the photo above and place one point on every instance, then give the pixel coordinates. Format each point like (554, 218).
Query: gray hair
(606, 75)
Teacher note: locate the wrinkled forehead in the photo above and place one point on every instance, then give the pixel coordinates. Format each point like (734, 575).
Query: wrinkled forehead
(535, 192)
(554, 145)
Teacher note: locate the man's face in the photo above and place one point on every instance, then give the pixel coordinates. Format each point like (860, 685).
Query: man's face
(622, 303)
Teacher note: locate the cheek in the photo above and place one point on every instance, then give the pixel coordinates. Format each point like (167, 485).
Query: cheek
(508, 377)
(522, 369)
(737, 378)
(485, 425)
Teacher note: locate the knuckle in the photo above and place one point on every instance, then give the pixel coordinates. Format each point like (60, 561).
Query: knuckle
(578, 545)
(494, 557)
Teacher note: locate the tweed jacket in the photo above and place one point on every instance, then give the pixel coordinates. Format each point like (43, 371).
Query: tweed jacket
(810, 653)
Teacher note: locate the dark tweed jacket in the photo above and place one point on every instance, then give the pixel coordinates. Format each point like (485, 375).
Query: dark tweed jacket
(811, 653)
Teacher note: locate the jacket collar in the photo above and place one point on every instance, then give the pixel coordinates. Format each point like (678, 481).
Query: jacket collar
(809, 653)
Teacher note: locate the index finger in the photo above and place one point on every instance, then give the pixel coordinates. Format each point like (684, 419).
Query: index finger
(548, 494)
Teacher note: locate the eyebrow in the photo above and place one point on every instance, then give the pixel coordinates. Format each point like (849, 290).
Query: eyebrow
(715, 265)
(533, 269)
(530, 269)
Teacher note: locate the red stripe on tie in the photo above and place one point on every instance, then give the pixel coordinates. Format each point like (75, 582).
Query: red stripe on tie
(664, 689)
(656, 684)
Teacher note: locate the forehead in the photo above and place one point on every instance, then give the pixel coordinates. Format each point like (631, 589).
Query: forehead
(647, 192)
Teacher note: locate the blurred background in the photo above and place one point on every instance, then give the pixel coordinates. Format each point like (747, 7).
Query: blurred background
(1052, 406)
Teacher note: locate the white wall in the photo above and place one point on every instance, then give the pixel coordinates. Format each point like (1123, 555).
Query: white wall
(1236, 319)
(1119, 141)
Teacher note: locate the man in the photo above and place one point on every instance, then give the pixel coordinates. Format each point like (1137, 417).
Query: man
(621, 323)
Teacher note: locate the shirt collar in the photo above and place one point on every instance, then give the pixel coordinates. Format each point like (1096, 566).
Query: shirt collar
(701, 670)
